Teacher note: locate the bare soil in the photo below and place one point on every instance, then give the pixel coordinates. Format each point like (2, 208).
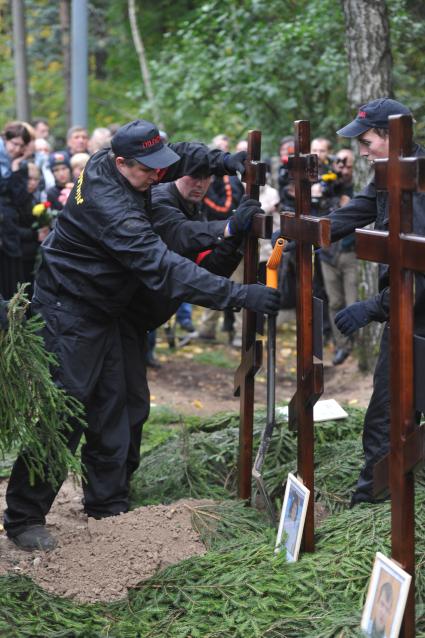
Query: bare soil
(100, 560)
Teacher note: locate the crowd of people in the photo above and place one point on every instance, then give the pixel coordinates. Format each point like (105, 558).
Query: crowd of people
(35, 181)
(127, 237)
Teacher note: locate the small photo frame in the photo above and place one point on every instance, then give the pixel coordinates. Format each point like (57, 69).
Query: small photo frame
(292, 518)
(386, 599)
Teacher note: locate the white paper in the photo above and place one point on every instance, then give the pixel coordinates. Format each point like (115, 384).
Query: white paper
(325, 410)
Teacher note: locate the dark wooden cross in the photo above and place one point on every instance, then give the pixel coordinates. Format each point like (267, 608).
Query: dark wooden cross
(252, 348)
(306, 230)
(404, 252)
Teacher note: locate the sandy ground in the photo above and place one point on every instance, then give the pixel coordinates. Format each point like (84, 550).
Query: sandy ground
(100, 560)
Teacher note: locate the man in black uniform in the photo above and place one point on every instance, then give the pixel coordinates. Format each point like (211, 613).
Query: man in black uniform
(177, 218)
(370, 127)
(173, 204)
(100, 253)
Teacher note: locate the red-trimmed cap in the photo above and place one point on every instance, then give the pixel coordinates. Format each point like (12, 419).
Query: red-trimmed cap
(374, 114)
(141, 140)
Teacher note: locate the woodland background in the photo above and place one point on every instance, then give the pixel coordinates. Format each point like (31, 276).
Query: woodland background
(216, 66)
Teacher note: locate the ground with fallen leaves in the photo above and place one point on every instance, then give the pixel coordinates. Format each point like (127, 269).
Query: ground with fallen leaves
(199, 377)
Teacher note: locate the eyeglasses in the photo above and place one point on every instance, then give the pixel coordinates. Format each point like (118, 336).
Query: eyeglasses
(343, 162)
(16, 144)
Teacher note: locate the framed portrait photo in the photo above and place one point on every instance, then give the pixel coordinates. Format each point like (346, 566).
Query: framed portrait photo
(386, 599)
(292, 519)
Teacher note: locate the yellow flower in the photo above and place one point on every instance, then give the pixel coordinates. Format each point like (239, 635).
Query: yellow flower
(38, 210)
(328, 177)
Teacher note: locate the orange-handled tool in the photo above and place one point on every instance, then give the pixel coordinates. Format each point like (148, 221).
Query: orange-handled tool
(272, 281)
(273, 262)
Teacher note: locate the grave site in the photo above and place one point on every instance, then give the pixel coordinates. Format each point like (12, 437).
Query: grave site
(195, 556)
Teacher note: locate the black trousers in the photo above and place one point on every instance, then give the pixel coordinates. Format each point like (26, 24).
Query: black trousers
(376, 427)
(101, 364)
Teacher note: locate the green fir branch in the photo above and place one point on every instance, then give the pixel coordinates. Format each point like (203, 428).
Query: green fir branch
(35, 414)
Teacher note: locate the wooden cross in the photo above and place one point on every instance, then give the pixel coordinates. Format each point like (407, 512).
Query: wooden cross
(252, 348)
(305, 230)
(405, 253)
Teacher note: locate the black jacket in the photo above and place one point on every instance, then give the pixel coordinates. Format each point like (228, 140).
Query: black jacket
(371, 206)
(103, 246)
(28, 235)
(223, 196)
(180, 225)
(13, 194)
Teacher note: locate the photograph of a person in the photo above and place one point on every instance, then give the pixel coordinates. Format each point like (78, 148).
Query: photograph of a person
(292, 518)
(386, 599)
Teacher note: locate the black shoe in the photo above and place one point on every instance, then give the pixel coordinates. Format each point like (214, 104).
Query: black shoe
(357, 499)
(340, 356)
(151, 362)
(35, 537)
(206, 337)
(98, 516)
(188, 326)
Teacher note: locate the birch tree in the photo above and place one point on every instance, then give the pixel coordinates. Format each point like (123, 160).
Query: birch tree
(369, 77)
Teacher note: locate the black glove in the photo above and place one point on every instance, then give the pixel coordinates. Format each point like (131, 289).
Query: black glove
(352, 318)
(235, 162)
(241, 220)
(263, 299)
(290, 245)
(4, 322)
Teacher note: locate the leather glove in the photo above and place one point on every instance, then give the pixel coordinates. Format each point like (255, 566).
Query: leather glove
(235, 162)
(241, 220)
(352, 318)
(4, 322)
(262, 299)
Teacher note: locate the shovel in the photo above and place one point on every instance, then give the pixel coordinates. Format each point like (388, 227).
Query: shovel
(272, 281)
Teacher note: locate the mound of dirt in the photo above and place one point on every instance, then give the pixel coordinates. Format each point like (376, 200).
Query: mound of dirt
(99, 560)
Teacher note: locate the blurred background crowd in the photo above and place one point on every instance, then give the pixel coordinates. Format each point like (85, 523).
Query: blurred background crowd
(37, 175)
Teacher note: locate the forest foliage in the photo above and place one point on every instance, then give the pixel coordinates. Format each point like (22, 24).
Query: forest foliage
(215, 67)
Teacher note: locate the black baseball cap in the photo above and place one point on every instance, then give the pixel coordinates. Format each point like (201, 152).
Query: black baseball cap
(374, 114)
(141, 140)
(59, 158)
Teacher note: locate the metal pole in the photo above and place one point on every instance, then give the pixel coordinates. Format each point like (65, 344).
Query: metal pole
(20, 59)
(79, 63)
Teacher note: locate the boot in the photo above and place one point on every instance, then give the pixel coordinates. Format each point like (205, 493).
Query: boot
(35, 537)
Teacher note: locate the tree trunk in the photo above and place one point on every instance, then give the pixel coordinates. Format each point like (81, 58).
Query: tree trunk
(140, 50)
(369, 77)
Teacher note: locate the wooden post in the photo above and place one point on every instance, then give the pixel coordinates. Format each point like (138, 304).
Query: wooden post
(306, 230)
(404, 253)
(252, 349)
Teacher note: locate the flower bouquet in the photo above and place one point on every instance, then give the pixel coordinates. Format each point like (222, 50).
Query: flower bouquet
(44, 215)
